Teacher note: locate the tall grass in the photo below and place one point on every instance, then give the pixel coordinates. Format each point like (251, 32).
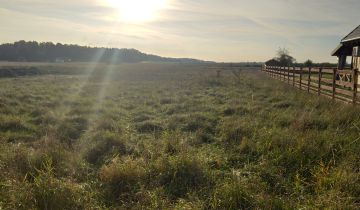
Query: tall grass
(168, 136)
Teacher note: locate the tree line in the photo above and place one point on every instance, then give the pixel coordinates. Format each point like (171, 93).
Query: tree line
(283, 58)
(49, 52)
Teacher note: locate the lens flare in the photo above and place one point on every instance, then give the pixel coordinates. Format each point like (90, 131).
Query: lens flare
(137, 10)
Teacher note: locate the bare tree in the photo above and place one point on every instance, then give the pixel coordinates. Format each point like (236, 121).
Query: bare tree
(284, 58)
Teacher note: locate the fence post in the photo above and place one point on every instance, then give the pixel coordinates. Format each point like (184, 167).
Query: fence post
(279, 73)
(334, 84)
(319, 85)
(288, 74)
(309, 78)
(293, 76)
(218, 73)
(300, 85)
(355, 84)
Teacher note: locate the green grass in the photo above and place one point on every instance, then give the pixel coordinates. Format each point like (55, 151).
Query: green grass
(169, 136)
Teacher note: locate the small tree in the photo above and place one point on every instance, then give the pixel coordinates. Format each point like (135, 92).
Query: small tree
(284, 57)
(308, 63)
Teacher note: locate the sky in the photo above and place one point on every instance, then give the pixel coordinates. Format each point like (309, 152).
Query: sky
(216, 30)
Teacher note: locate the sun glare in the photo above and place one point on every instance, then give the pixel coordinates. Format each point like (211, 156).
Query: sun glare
(137, 10)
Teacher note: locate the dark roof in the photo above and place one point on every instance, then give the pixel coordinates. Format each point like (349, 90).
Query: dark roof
(355, 34)
(342, 49)
(337, 50)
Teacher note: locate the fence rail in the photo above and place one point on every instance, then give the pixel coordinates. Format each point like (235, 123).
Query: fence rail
(340, 85)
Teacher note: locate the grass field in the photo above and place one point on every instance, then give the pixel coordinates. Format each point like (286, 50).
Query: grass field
(171, 136)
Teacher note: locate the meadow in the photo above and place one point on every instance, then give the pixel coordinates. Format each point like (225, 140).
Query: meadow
(172, 136)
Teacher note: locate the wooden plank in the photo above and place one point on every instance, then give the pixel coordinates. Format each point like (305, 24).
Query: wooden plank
(355, 85)
(329, 81)
(288, 74)
(303, 88)
(335, 99)
(313, 89)
(314, 84)
(334, 84)
(315, 69)
(344, 84)
(327, 71)
(323, 86)
(345, 72)
(327, 94)
(326, 87)
(294, 75)
(344, 98)
(319, 80)
(345, 92)
(309, 78)
(300, 76)
(304, 83)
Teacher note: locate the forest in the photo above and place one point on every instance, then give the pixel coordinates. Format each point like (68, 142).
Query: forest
(50, 52)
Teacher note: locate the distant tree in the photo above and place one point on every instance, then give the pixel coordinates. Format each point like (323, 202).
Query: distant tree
(284, 58)
(272, 62)
(308, 63)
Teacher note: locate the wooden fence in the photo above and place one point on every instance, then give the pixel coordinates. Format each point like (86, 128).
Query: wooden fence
(341, 85)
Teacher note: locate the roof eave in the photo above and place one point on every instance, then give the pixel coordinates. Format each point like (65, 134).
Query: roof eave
(349, 40)
(336, 50)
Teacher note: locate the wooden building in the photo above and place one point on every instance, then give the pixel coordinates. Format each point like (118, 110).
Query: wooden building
(349, 46)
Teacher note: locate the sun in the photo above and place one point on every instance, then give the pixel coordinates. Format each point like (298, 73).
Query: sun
(137, 10)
